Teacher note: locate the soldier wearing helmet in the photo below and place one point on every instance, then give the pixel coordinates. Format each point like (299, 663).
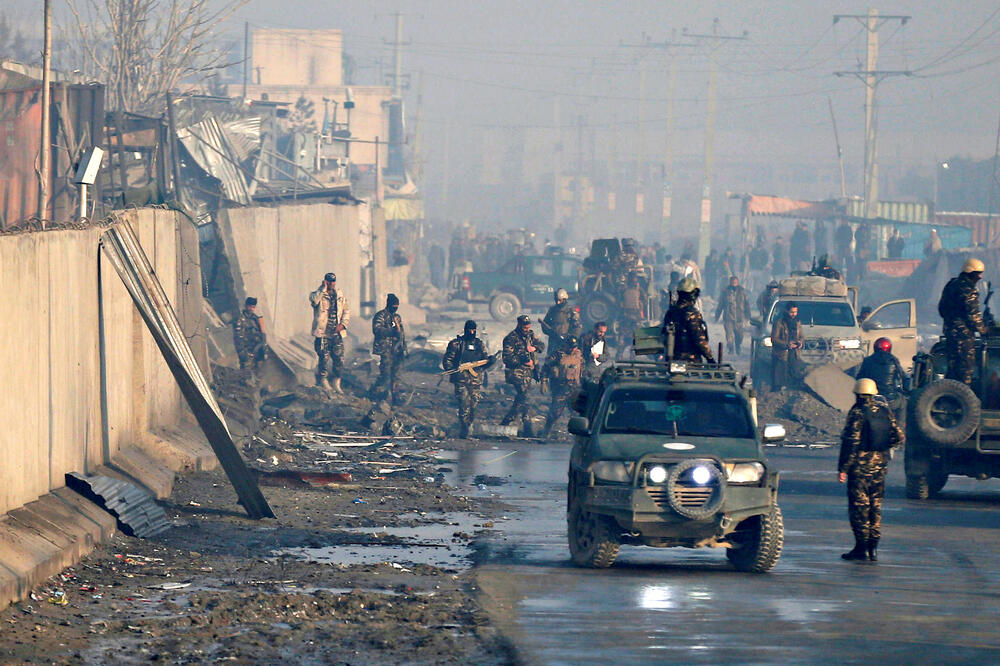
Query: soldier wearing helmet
(883, 368)
(689, 330)
(560, 321)
(870, 433)
(959, 307)
(565, 371)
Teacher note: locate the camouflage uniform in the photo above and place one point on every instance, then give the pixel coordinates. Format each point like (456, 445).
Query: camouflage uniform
(518, 373)
(566, 370)
(561, 320)
(468, 387)
(734, 309)
(329, 309)
(249, 339)
(626, 263)
(390, 346)
(959, 307)
(765, 301)
(690, 332)
(785, 331)
(869, 434)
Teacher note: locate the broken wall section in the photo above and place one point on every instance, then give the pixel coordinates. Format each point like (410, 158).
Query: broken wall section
(67, 317)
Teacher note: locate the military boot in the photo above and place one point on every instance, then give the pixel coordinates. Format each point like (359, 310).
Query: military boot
(336, 386)
(873, 550)
(858, 552)
(323, 384)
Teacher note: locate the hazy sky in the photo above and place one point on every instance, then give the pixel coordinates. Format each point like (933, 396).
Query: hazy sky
(504, 69)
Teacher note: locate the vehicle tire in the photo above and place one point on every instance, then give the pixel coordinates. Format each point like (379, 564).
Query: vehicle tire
(917, 487)
(945, 412)
(597, 307)
(593, 539)
(683, 503)
(505, 306)
(758, 549)
(936, 481)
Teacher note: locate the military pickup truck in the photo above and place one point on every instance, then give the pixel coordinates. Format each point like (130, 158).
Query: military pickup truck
(523, 281)
(669, 454)
(830, 328)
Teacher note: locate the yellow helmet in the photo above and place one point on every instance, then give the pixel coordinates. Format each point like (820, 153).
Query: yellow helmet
(865, 387)
(973, 266)
(687, 285)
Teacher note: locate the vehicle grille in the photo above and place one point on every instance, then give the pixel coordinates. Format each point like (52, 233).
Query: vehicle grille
(691, 497)
(816, 344)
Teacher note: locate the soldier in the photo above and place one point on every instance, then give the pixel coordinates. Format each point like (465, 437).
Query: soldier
(561, 320)
(330, 318)
(959, 307)
(466, 348)
(521, 369)
(883, 368)
(390, 346)
(870, 433)
(595, 351)
(689, 329)
(248, 336)
(632, 310)
(786, 339)
(734, 309)
(767, 299)
(626, 263)
(565, 370)
(824, 269)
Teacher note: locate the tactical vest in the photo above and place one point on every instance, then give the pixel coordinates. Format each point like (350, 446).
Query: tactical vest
(876, 434)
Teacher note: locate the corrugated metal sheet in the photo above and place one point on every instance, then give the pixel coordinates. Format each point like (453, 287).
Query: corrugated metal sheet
(985, 228)
(209, 145)
(137, 512)
(759, 204)
(899, 211)
(244, 136)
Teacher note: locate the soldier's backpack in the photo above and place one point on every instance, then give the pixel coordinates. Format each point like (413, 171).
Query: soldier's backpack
(877, 430)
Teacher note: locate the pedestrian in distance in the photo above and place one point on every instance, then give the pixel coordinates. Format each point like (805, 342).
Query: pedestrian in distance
(466, 361)
(249, 337)
(959, 308)
(331, 315)
(734, 310)
(870, 433)
(521, 370)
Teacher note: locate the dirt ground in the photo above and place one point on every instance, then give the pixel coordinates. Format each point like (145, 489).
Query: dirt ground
(369, 560)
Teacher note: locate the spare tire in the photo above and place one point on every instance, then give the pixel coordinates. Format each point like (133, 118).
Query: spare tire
(945, 412)
(692, 499)
(597, 307)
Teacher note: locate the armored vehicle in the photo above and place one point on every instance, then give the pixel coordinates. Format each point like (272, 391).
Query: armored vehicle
(669, 454)
(524, 281)
(830, 328)
(599, 296)
(952, 428)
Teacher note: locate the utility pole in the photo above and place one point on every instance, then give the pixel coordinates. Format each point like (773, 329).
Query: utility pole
(556, 164)
(714, 41)
(45, 155)
(246, 56)
(640, 153)
(397, 45)
(871, 76)
(840, 151)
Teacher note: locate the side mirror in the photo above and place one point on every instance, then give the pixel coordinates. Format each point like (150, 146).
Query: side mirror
(867, 325)
(774, 432)
(579, 425)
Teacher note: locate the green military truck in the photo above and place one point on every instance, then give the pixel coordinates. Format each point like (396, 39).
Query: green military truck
(524, 281)
(953, 428)
(669, 454)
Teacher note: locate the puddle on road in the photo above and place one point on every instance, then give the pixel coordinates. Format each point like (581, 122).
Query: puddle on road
(433, 543)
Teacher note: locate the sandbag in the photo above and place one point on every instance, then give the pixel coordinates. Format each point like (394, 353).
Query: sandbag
(811, 285)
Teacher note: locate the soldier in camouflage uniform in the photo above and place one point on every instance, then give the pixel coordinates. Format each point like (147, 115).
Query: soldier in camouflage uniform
(248, 336)
(690, 331)
(959, 307)
(870, 434)
(565, 370)
(734, 309)
(390, 346)
(519, 347)
(560, 321)
(466, 348)
(330, 318)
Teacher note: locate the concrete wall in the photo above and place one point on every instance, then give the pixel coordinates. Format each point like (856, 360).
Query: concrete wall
(280, 254)
(54, 288)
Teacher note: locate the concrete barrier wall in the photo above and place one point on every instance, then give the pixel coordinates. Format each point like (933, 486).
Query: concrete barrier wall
(280, 254)
(54, 289)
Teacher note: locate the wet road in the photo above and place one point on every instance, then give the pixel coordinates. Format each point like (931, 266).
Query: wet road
(933, 597)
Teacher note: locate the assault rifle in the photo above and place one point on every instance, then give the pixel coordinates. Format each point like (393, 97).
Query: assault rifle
(988, 317)
(471, 366)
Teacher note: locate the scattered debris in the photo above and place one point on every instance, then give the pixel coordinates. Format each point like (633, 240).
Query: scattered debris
(137, 512)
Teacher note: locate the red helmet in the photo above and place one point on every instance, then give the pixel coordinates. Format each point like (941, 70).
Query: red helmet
(883, 344)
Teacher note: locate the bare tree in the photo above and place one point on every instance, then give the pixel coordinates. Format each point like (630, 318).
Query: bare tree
(143, 49)
(13, 43)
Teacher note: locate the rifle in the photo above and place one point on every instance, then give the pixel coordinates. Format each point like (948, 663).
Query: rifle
(471, 366)
(988, 317)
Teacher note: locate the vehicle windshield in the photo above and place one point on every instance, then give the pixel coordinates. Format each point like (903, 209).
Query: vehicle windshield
(818, 313)
(677, 412)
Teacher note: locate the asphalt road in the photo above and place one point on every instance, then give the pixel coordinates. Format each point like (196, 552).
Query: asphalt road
(934, 596)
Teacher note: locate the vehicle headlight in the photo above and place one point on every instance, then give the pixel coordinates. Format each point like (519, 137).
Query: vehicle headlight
(766, 341)
(657, 474)
(701, 475)
(614, 471)
(749, 472)
(849, 344)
